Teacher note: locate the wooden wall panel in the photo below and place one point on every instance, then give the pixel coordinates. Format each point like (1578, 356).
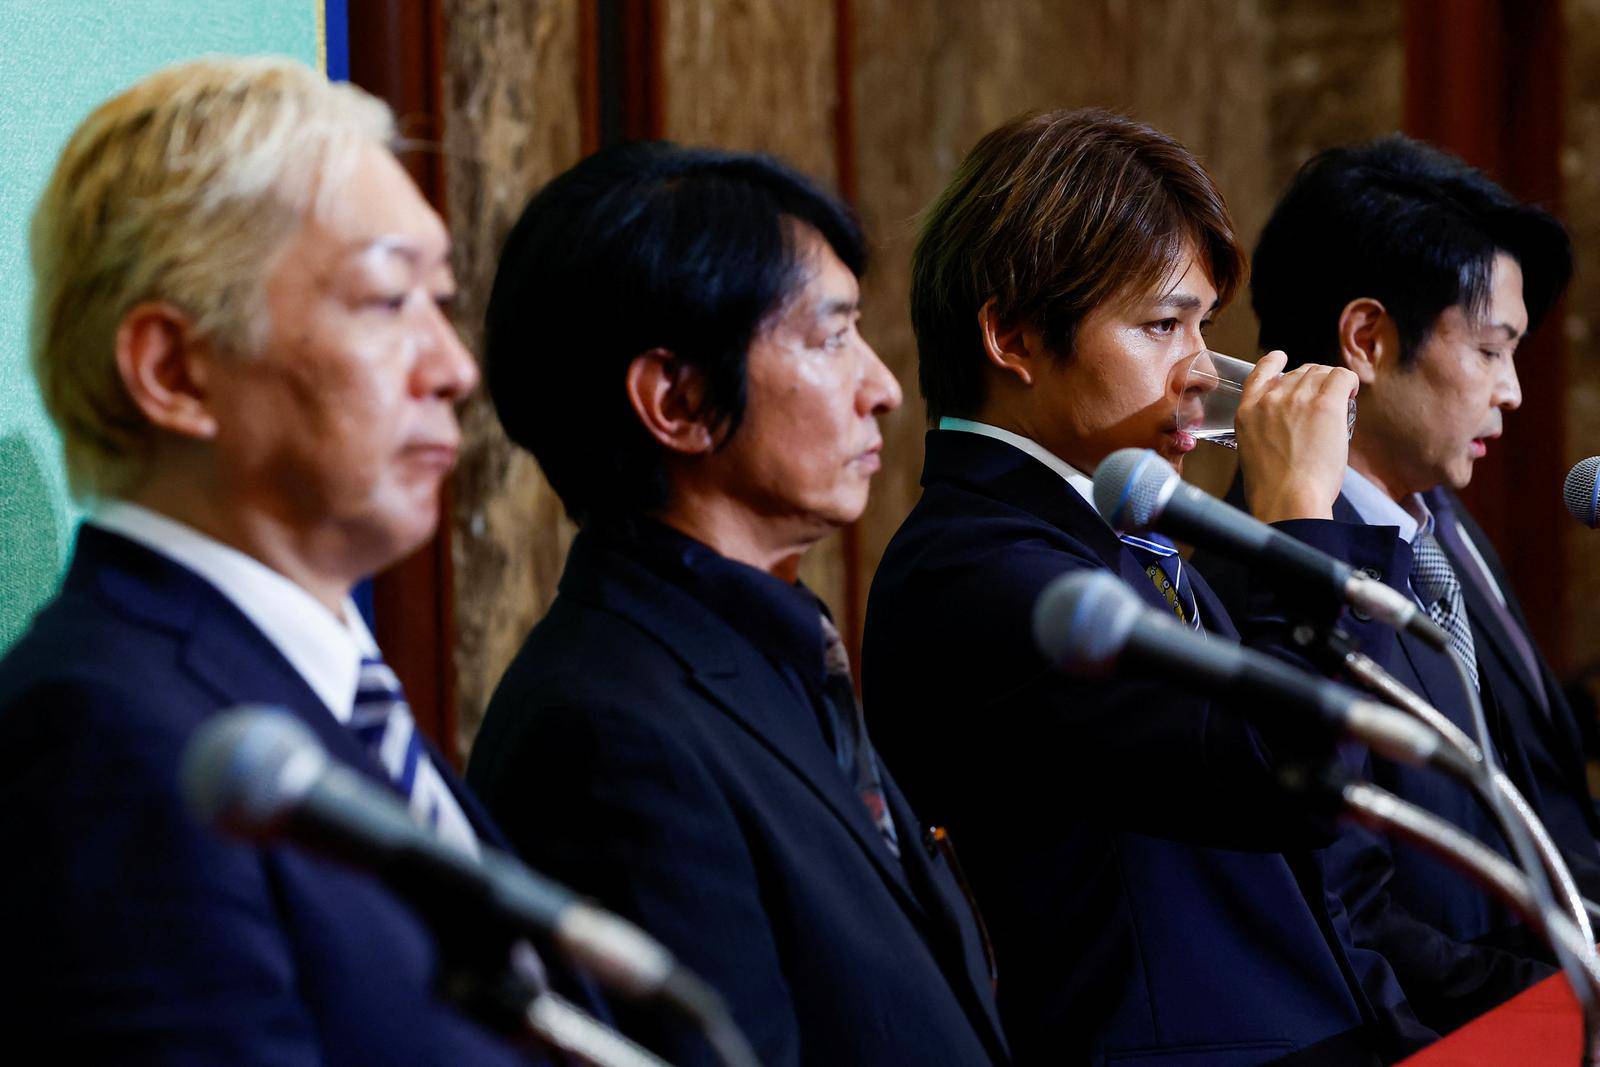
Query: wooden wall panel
(1335, 72)
(512, 122)
(1484, 80)
(760, 76)
(1251, 85)
(930, 78)
(1580, 171)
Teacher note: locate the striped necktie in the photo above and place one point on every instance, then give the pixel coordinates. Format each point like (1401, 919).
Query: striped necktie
(381, 720)
(847, 729)
(1165, 568)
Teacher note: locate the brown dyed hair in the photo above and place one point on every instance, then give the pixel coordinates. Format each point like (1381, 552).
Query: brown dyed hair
(1050, 216)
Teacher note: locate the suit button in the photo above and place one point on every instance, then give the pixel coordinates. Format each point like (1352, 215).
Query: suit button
(1376, 575)
(930, 841)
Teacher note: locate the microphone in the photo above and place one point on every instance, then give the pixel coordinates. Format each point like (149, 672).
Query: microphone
(260, 774)
(1087, 622)
(1578, 492)
(1136, 490)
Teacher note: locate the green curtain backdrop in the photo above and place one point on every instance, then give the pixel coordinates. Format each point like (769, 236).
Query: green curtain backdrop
(61, 58)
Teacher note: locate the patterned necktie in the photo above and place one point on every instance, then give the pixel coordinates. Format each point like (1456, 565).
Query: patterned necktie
(1439, 590)
(1165, 568)
(381, 720)
(848, 726)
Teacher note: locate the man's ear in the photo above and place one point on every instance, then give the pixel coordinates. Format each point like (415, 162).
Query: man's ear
(1367, 337)
(1011, 348)
(667, 395)
(163, 367)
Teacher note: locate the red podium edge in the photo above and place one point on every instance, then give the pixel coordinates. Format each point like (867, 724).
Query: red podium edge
(1539, 1026)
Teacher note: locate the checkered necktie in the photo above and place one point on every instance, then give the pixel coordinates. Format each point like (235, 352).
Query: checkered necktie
(1165, 568)
(848, 727)
(1439, 590)
(381, 720)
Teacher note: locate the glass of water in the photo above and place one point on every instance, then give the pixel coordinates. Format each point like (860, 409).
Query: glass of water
(1212, 387)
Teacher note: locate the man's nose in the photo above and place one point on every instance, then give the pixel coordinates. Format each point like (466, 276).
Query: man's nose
(880, 391)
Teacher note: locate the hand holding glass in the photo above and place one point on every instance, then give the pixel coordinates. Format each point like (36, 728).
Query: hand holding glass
(1213, 384)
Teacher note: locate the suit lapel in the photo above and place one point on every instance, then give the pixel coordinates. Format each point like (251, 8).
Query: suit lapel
(225, 652)
(1488, 630)
(770, 712)
(947, 906)
(1004, 472)
(1551, 717)
(1000, 470)
(738, 680)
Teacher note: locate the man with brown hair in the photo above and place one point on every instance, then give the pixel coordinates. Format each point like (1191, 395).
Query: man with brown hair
(1150, 889)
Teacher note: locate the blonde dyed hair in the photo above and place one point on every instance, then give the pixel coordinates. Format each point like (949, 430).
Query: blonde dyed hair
(181, 189)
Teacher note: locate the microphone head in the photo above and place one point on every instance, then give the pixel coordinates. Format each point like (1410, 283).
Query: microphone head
(1083, 619)
(245, 768)
(1131, 486)
(1579, 492)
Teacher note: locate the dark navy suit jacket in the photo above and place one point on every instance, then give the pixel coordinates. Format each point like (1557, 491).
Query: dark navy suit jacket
(644, 750)
(1545, 733)
(1152, 892)
(1456, 950)
(135, 935)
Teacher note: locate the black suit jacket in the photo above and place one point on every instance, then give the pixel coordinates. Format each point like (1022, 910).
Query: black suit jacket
(643, 750)
(137, 935)
(1546, 734)
(1151, 891)
(1457, 951)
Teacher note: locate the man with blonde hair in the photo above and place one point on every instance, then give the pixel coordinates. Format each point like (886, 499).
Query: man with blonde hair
(239, 328)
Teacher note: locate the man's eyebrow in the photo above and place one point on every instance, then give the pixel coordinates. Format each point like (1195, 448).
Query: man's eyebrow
(839, 306)
(1183, 302)
(1511, 333)
(404, 247)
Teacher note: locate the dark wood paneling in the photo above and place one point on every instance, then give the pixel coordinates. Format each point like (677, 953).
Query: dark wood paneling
(396, 50)
(1484, 80)
(515, 110)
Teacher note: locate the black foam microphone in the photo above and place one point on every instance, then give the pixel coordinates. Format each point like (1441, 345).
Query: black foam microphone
(1136, 490)
(260, 774)
(1090, 623)
(1578, 492)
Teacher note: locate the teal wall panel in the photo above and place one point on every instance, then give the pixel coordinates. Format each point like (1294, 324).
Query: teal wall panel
(60, 59)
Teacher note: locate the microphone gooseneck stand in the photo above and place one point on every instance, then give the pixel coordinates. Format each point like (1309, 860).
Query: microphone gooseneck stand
(1383, 811)
(1536, 853)
(1366, 671)
(560, 1024)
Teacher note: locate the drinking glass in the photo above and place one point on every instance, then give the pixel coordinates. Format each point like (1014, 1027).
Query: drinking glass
(1212, 387)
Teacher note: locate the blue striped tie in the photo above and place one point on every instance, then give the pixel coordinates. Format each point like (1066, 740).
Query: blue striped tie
(1165, 568)
(381, 720)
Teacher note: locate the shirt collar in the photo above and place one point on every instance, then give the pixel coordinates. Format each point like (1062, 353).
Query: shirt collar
(782, 619)
(325, 650)
(1377, 508)
(1082, 483)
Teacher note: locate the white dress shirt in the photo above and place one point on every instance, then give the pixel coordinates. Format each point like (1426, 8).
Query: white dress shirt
(324, 649)
(1377, 508)
(1070, 474)
(1411, 514)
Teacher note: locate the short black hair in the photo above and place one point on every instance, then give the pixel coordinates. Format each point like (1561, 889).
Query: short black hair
(1403, 223)
(642, 246)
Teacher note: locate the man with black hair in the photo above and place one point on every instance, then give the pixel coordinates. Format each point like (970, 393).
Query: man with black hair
(673, 335)
(1422, 276)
